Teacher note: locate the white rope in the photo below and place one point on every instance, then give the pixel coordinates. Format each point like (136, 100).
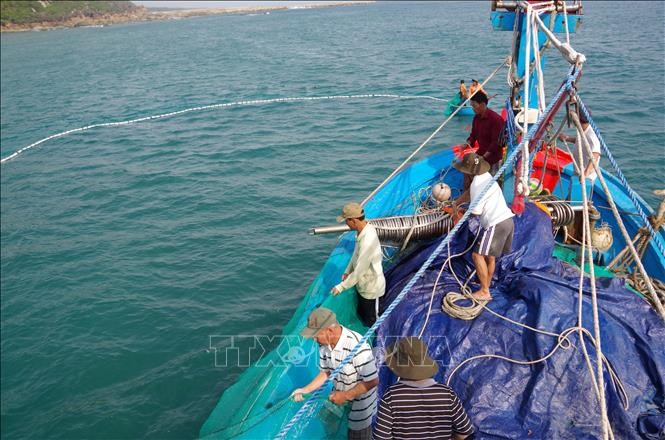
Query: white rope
(429, 138)
(580, 296)
(575, 160)
(563, 342)
(561, 338)
(523, 185)
(569, 54)
(448, 304)
(211, 107)
(594, 300)
(539, 70)
(565, 21)
(431, 300)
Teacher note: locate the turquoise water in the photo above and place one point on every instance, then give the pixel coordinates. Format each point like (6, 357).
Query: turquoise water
(124, 249)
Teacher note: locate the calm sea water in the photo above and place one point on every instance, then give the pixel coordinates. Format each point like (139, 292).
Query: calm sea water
(125, 248)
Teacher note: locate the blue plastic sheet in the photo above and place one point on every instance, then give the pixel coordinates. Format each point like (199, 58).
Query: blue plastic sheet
(550, 399)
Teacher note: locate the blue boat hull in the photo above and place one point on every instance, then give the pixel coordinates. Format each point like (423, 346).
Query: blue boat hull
(464, 111)
(265, 407)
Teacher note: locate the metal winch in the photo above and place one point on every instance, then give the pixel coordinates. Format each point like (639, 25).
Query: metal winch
(565, 215)
(560, 210)
(397, 229)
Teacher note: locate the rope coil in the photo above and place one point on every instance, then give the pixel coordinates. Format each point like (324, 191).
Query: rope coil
(395, 229)
(560, 210)
(466, 312)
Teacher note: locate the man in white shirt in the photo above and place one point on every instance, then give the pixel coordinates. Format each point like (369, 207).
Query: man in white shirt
(584, 164)
(365, 270)
(496, 221)
(358, 378)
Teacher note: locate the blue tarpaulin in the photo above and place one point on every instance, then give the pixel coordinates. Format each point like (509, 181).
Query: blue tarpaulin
(550, 399)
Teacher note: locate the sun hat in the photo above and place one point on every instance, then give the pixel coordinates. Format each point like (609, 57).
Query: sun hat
(351, 210)
(319, 319)
(408, 359)
(472, 164)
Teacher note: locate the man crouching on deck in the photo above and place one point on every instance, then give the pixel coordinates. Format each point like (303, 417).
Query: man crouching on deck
(496, 221)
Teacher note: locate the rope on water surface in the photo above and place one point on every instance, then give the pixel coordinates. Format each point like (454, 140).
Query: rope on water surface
(212, 107)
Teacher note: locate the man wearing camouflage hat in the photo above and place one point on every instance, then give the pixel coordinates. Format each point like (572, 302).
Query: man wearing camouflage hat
(365, 270)
(357, 380)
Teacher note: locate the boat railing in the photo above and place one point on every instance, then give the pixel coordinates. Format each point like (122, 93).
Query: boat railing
(511, 6)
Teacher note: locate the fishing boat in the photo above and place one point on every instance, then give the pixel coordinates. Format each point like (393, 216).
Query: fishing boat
(572, 344)
(457, 106)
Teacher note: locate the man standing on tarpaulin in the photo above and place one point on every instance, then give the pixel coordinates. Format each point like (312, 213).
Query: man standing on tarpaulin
(496, 221)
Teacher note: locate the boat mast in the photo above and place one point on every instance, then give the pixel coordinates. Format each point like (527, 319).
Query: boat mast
(511, 16)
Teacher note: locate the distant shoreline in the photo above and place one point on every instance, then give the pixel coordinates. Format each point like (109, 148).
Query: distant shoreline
(145, 14)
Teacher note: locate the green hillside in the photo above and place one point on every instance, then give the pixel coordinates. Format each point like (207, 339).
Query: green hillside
(27, 12)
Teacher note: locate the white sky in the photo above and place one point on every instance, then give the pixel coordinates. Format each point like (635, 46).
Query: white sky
(223, 4)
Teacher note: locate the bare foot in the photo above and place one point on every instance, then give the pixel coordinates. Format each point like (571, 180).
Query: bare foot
(481, 295)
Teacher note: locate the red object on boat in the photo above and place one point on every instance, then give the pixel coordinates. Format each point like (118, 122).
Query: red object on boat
(553, 167)
(456, 215)
(462, 149)
(518, 205)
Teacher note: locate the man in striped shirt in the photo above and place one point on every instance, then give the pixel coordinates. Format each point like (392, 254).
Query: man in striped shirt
(417, 407)
(358, 378)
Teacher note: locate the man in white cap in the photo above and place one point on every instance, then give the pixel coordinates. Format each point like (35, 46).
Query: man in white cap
(496, 221)
(357, 380)
(417, 406)
(365, 270)
(585, 163)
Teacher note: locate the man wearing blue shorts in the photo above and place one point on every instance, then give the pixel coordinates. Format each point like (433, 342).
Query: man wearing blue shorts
(496, 221)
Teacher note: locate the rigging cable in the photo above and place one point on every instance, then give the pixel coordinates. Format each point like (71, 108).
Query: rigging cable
(656, 237)
(617, 216)
(600, 388)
